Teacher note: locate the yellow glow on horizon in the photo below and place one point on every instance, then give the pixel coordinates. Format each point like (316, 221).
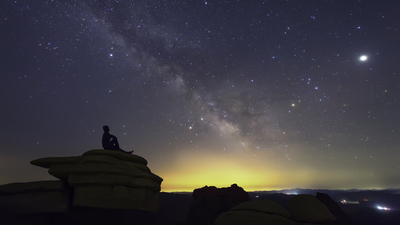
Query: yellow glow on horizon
(190, 170)
(221, 174)
(195, 170)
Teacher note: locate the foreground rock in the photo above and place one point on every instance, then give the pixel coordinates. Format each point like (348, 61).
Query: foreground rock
(303, 209)
(34, 198)
(256, 212)
(308, 209)
(102, 183)
(334, 208)
(107, 179)
(210, 202)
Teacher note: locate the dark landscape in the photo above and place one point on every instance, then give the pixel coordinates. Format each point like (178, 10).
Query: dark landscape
(175, 207)
(112, 187)
(365, 212)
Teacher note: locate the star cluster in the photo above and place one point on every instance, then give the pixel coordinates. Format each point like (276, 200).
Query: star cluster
(266, 94)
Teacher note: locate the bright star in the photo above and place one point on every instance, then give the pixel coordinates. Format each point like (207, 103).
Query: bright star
(363, 58)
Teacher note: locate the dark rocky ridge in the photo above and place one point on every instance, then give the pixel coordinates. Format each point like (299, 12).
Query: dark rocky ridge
(114, 189)
(174, 210)
(210, 202)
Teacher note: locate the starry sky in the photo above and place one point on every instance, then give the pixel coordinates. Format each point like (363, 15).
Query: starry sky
(265, 94)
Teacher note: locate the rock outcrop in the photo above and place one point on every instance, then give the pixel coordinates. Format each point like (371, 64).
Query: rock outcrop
(303, 209)
(34, 198)
(308, 209)
(256, 212)
(210, 202)
(107, 179)
(334, 208)
(99, 179)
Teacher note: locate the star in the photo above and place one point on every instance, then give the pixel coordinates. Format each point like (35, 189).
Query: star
(363, 58)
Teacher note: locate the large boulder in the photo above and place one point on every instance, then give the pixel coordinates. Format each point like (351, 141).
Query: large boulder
(117, 154)
(63, 171)
(32, 187)
(116, 197)
(334, 208)
(34, 197)
(263, 206)
(113, 180)
(246, 217)
(49, 161)
(107, 179)
(259, 212)
(210, 202)
(307, 208)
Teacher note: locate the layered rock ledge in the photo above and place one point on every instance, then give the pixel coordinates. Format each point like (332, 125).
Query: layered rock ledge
(99, 178)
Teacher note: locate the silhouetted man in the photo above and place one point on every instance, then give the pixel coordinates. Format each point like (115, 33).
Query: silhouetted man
(110, 142)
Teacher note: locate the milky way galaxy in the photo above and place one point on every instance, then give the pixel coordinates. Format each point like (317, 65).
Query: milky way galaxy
(265, 94)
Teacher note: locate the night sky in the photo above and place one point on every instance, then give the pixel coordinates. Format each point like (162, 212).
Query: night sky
(265, 94)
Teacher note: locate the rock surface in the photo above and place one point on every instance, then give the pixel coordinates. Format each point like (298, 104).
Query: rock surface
(245, 217)
(263, 206)
(107, 179)
(99, 179)
(116, 197)
(304, 209)
(307, 208)
(34, 197)
(256, 212)
(334, 208)
(63, 171)
(110, 159)
(113, 180)
(32, 187)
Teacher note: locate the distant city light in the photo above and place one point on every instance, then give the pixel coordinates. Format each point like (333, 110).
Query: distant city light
(350, 202)
(382, 208)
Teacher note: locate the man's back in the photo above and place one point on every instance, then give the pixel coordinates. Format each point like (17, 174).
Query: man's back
(110, 142)
(107, 141)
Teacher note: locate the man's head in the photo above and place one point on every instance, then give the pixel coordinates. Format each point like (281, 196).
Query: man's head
(106, 128)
